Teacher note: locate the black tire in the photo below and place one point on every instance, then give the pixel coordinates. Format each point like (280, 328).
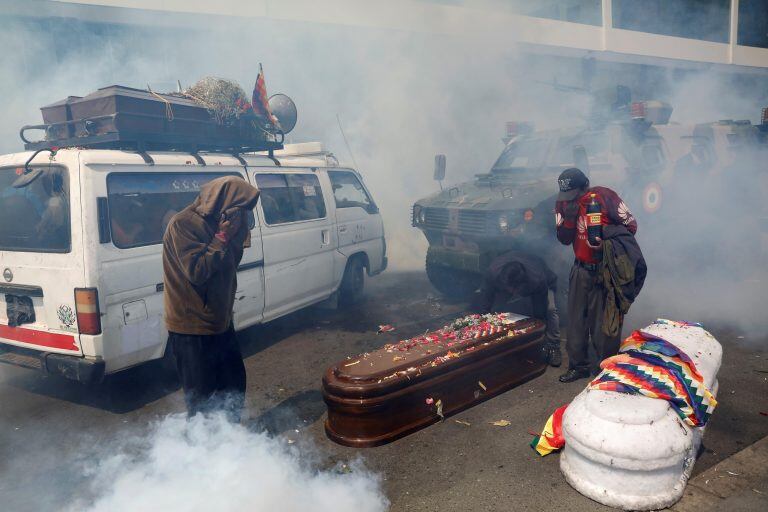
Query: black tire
(353, 282)
(454, 284)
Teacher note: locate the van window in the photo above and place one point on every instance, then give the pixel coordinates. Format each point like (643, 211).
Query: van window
(35, 217)
(349, 192)
(290, 197)
(142, 204)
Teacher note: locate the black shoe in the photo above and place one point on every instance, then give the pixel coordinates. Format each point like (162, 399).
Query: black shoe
(554, 357)
(574, 374)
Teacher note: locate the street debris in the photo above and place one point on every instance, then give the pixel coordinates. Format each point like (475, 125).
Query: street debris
(462, 422)
(732, 473)
(439, 406)
(353, 364)
(343, 469)
(385, 328)
(501, 423)
(480, 383)
(430, 401)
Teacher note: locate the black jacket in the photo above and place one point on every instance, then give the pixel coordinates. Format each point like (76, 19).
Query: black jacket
(622, 271)
(537, 278)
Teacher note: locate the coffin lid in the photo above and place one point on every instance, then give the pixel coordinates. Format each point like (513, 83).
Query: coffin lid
(65, 101)
(390, 367)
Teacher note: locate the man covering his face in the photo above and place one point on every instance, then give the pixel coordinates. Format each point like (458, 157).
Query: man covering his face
(202, 248)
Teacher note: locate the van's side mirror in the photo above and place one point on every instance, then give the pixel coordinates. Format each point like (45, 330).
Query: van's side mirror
(439, 167)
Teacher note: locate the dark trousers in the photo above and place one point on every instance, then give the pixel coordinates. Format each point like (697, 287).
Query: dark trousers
(586, 302)
(544, 308)
(211, 372)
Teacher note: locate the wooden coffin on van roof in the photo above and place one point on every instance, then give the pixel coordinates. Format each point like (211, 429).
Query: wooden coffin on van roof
(380, 396)
(123, 117)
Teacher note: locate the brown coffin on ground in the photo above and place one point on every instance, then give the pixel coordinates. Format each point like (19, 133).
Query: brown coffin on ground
(384, 395)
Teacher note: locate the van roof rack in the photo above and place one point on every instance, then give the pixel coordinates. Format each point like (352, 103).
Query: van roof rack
(139, 141)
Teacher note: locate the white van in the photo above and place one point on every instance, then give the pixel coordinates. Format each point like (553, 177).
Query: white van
(81, 293)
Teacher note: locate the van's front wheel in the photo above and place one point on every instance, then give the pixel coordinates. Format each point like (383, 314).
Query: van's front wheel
(353, 282)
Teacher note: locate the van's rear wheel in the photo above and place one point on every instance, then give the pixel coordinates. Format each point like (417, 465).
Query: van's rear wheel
(353, 282)
(453, 283)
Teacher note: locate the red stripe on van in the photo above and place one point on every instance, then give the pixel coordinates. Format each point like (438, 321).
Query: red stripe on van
(44, 339)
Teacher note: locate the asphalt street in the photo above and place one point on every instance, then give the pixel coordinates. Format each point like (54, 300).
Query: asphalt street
(48, 426)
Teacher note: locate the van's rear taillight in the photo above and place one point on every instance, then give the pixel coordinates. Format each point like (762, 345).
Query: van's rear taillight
(87, 306)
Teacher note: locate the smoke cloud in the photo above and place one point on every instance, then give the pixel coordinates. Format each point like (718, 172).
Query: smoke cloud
(208, 463)
(403, 97)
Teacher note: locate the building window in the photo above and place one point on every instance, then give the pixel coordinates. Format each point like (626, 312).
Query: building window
(753, 23)
(705, 20)
(587, 12)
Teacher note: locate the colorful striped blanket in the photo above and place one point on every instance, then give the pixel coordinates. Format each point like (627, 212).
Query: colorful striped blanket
(650, 366)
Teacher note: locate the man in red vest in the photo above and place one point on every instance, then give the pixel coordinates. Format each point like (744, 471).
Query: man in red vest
(586, 293)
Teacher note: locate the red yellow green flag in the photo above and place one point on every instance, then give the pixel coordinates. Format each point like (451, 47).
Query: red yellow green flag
(551, 438)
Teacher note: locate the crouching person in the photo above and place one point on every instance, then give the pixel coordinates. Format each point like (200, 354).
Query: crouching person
(202, 247)
(516, 274)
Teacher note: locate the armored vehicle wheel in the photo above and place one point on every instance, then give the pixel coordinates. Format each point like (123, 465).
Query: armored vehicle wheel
(353, 282)
(453, 283)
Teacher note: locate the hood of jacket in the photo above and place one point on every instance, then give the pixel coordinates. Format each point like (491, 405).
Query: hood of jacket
(225, 194)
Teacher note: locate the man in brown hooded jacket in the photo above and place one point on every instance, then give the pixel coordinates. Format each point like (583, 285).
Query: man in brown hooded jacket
(202, 247)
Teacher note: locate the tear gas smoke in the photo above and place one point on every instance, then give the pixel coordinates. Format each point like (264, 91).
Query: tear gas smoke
(404, 97)
(207, 463)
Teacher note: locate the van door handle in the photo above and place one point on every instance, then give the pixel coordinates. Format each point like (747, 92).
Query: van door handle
(326, 236)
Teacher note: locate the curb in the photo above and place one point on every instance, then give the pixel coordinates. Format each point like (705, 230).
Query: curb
(739, 482)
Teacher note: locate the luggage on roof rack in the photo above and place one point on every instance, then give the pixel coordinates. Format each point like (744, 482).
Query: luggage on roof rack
(118, 117)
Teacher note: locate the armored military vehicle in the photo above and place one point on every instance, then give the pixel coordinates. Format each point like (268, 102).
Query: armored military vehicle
(630, 147)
